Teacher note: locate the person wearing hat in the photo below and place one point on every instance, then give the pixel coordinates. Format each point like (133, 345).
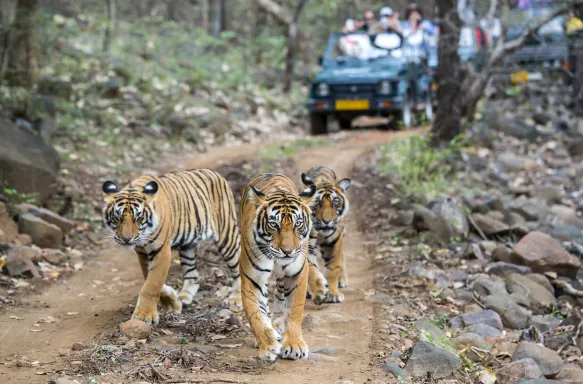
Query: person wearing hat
(389, 19)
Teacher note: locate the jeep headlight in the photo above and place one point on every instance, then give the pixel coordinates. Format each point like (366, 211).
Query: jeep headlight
(385, 87)
(322, 90)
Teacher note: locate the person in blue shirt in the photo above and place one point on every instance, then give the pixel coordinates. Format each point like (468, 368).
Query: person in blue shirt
(414, 22)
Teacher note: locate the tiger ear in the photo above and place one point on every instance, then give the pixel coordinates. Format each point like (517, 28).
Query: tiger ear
(109, 188)
(255, 195)
(306, 179)
(344, 184)
(150, 190)
(307, 194)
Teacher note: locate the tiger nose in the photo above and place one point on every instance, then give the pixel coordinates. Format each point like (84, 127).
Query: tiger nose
(287, 252)
(326, 221)
(126, 238)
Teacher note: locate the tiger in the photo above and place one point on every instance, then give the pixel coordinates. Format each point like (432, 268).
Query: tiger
(329, 207)
(275, 230)
(175, 211)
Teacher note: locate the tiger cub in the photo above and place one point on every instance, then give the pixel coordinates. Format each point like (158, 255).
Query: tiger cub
(275, 229)
(329, 207)
(175, 211)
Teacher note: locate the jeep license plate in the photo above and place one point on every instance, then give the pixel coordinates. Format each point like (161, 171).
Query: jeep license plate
(352, 105)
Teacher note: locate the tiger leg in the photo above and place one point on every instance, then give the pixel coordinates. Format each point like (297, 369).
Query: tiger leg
(343, 281)
(279, 308)
(168, 296)
(254, 298)
(230, 250)
(333, 257)
(317, 284)
(293, 345)
(190, 275)
(159, 263)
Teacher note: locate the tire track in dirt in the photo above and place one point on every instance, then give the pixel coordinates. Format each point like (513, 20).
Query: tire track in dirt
(110, 282)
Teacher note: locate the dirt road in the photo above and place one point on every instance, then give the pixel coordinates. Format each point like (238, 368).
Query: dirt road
(98, 297)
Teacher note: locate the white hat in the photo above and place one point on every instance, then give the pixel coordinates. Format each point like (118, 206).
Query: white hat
(386, 11)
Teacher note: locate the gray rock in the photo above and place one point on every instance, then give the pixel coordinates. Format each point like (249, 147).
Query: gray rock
(484, 330)
(427, 359)
(548, 360)
(542, 280)
(538, 296)
(549, 193)
(43, 234)
(501, 253)
(205, 348)
(328, 351)
(575, 147)
(541, 381)
(503, 269)
(522, 369)
(47, 215)
(509, 162)
(472, 340)
(566, 233)
(543, 254)
(487, 317)
(527, 210)
(545, 323)
(512, 314)
(487, 287)
(19, 263)
(27, 163)
(445, 218)
(395, 370)
(487, 224)
(571, 374)
(488, 247)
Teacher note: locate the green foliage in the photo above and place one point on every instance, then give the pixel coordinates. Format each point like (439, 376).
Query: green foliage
(282, 151)
(440, 320)
(16, 197)
(421, 168)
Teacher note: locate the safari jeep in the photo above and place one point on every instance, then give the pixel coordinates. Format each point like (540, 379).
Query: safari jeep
(381, 75)
(366, 76)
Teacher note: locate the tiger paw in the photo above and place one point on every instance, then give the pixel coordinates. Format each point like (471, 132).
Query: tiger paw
(169, 300)
(270, 351)
(293, 350)
(148, 314)
(334, 296)
(342, 283)
(234, 299)
(320, 297)
(189, 290)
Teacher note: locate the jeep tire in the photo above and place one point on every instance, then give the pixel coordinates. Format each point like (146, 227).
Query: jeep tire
(344, 123)
(318, 123)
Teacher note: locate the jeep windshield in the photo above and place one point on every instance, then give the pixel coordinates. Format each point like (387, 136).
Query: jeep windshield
(360, 47)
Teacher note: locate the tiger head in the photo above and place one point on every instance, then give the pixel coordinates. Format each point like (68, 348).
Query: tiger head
(329, 204)
(129, 214)
(283, 222)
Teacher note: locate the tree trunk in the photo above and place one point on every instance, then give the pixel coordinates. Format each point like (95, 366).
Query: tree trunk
(7, 10)
(205, 15)
(217, 12)
(22, 62)
(292, 41)
(447, 124)
(111, 14)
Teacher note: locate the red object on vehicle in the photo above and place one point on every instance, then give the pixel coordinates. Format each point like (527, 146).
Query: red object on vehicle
(481, 38)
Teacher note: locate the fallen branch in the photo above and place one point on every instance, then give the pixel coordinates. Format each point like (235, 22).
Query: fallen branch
(567, 288)
(477, 228)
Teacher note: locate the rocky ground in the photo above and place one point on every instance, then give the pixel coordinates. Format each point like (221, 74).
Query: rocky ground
(476, 280)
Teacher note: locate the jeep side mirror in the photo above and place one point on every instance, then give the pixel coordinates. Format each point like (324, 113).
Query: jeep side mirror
(320, 60)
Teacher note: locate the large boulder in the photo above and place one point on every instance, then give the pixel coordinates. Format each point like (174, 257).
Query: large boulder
(427, 359)
(538, 296)
(548, 360)
(522, 369)
(27, 163)
(43, 234)
(543, 254)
